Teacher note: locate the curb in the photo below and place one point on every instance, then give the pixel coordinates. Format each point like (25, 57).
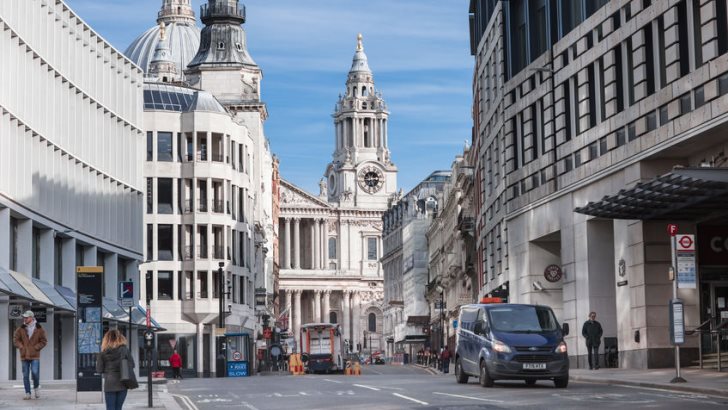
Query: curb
(673, 387)
(428, 369)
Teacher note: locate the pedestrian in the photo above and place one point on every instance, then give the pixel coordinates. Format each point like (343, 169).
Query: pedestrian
(108, 362)
(176, 362)
(30, 339)
(446, 360)
(592, 332)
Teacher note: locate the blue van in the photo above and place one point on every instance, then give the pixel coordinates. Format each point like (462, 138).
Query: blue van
(504, 341)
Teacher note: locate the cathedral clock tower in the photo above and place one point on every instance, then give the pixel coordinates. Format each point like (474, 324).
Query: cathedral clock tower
(362, 173)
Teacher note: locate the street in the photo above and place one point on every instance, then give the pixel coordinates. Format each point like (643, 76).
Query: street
(396, 387)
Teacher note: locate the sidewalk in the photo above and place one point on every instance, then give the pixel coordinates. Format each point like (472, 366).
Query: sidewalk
(698, 381)
(61, 395)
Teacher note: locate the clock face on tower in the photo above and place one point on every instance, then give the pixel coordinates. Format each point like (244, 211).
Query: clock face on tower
(371, 179)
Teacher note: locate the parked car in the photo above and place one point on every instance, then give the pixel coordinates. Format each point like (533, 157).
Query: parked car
(503, 341)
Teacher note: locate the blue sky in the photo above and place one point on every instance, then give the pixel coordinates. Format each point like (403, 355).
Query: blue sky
(417, 49)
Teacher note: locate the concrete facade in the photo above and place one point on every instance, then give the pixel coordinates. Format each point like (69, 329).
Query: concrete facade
(71, 188)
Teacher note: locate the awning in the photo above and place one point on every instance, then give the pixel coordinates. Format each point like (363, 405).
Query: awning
(19, 286)
(418, 320)
(685, 194)
(411, 339)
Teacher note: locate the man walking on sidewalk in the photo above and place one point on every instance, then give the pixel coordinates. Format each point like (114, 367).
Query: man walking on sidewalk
(30, 339)
(592, 332)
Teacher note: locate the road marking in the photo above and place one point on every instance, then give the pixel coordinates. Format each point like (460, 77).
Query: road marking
(367, 387)
(249, 406)
(373, 371)
(277, 394)
(333, 381)
(186, 401)
(468, 397)
(424, 403)
(303, 393)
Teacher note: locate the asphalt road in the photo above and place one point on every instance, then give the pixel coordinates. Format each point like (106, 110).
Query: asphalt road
(396, 387)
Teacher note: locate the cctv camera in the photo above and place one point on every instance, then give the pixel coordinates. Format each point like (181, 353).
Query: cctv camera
(537, 286)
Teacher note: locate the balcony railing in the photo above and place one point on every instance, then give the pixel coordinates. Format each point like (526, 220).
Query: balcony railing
(188, 253)
(202, 252)
(221, 10)
(218, 206)
(217, 157)
(218, 252)
(202, 205)
(202, 156)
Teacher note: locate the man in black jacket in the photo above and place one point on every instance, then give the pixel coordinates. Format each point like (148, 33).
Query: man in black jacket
(592, 332)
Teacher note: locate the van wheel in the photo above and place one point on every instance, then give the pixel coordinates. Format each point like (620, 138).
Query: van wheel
(530, 382)
(460, 376)
(561, 382)
(485, 379)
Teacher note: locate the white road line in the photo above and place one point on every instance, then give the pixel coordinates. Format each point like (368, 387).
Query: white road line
(366, 387)
(468, 397)
(303, 393)
(333, 381)
(277, 394)
(250, 406)
(424, 403)
(186, 401)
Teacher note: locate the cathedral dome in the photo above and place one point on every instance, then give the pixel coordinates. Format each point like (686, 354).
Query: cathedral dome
(183, 36)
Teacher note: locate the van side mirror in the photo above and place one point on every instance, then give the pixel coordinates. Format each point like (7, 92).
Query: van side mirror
(478, 330)
(565, 329)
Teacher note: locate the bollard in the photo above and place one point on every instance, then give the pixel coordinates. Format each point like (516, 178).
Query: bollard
(357, 369)
(347, 368)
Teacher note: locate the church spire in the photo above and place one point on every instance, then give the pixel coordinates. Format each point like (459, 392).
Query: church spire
(223, 40)
(162, 67)
(176, 11)
(360, 63)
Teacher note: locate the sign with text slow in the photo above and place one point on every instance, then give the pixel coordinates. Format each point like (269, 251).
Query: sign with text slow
(89, 285)
(713, 245)
(686, 266)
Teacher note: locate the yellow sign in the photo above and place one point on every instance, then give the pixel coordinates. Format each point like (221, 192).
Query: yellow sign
(89, 269)
(220, 330)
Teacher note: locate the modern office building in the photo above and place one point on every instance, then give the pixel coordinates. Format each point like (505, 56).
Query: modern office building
(584, 115)
(209, 200)
(71, 187)
(330, 243)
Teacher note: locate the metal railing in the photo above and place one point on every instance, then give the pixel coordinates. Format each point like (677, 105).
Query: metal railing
(217, 157)
(218, 206)
(202, 205)
(202, 252)
(218, 252)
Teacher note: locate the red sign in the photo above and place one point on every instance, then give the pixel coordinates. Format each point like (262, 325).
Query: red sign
(149, 316)
(672, 229)
(267, 333)
(713, 245)
(685, 243)
(553, 273)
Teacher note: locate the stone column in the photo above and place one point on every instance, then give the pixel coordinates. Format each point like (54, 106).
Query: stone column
(317, 306)
(297, 308)
(324, 244)
(297, 243)
(289, 306)
(287, 245)
(327, 307)
(313, 251)
(317, 242)
(346, 314)
(356, 318)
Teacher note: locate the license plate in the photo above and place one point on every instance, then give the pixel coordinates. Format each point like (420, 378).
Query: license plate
(534, 366)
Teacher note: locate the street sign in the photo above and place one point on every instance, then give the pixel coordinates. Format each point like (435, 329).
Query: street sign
(677, 322)
(672, 229)
(40, 314)
(686, 266)
(89, 326)
(126, 293)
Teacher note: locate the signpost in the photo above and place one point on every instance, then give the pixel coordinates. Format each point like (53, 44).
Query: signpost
(89, 285)
(681, 245)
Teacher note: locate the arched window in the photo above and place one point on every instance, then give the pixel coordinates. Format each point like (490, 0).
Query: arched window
(332, 248)
(221, 45)
(332, 317)
(355, 91)
(372, 322)
(364, 91)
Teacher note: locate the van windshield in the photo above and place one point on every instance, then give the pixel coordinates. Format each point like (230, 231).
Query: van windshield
(522, 319)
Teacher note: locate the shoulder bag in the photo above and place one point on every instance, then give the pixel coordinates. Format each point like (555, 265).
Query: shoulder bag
(126, 373)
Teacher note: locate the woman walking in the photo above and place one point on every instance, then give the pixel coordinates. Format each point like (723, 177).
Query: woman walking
(113, 350)
(176, 362)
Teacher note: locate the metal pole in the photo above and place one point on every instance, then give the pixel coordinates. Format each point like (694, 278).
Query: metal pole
(442, 320)
(678, 378)
(129, 337)
(148, 355)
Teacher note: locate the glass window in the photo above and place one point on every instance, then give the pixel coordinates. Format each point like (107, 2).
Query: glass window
(372, 322)
(202, 284)
(372, 249)
(164, 146)
(150, 145)
(58, 261)
(332, 248)
(164, 196)
(332, 317)
(164, 242)
(150, 195)
(150, 243)
(149, 284)
(36, 253)
(164, 285)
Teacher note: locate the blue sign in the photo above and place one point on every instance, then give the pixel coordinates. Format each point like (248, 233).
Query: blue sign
(455, 324)
(237, 369)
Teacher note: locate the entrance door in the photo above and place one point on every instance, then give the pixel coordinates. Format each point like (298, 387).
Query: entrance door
(720, 307)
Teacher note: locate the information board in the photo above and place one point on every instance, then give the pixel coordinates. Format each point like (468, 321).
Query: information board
(89, 284)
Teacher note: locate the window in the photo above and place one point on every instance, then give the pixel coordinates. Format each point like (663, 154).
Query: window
(372, 249)
(180, 286)
(36, 253)
(150, 195)
(215, 284)
(189, 285)
(14, 244)
(164, 196)
(164, 146)
(332, 317)
(202, 284)
(699, 96)
(150, 145)
(164, 242)
(150, 243)
(164, 285)
(685, 104)
(332, 248)
(372, 322)
(149, 285)
(58, 261)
